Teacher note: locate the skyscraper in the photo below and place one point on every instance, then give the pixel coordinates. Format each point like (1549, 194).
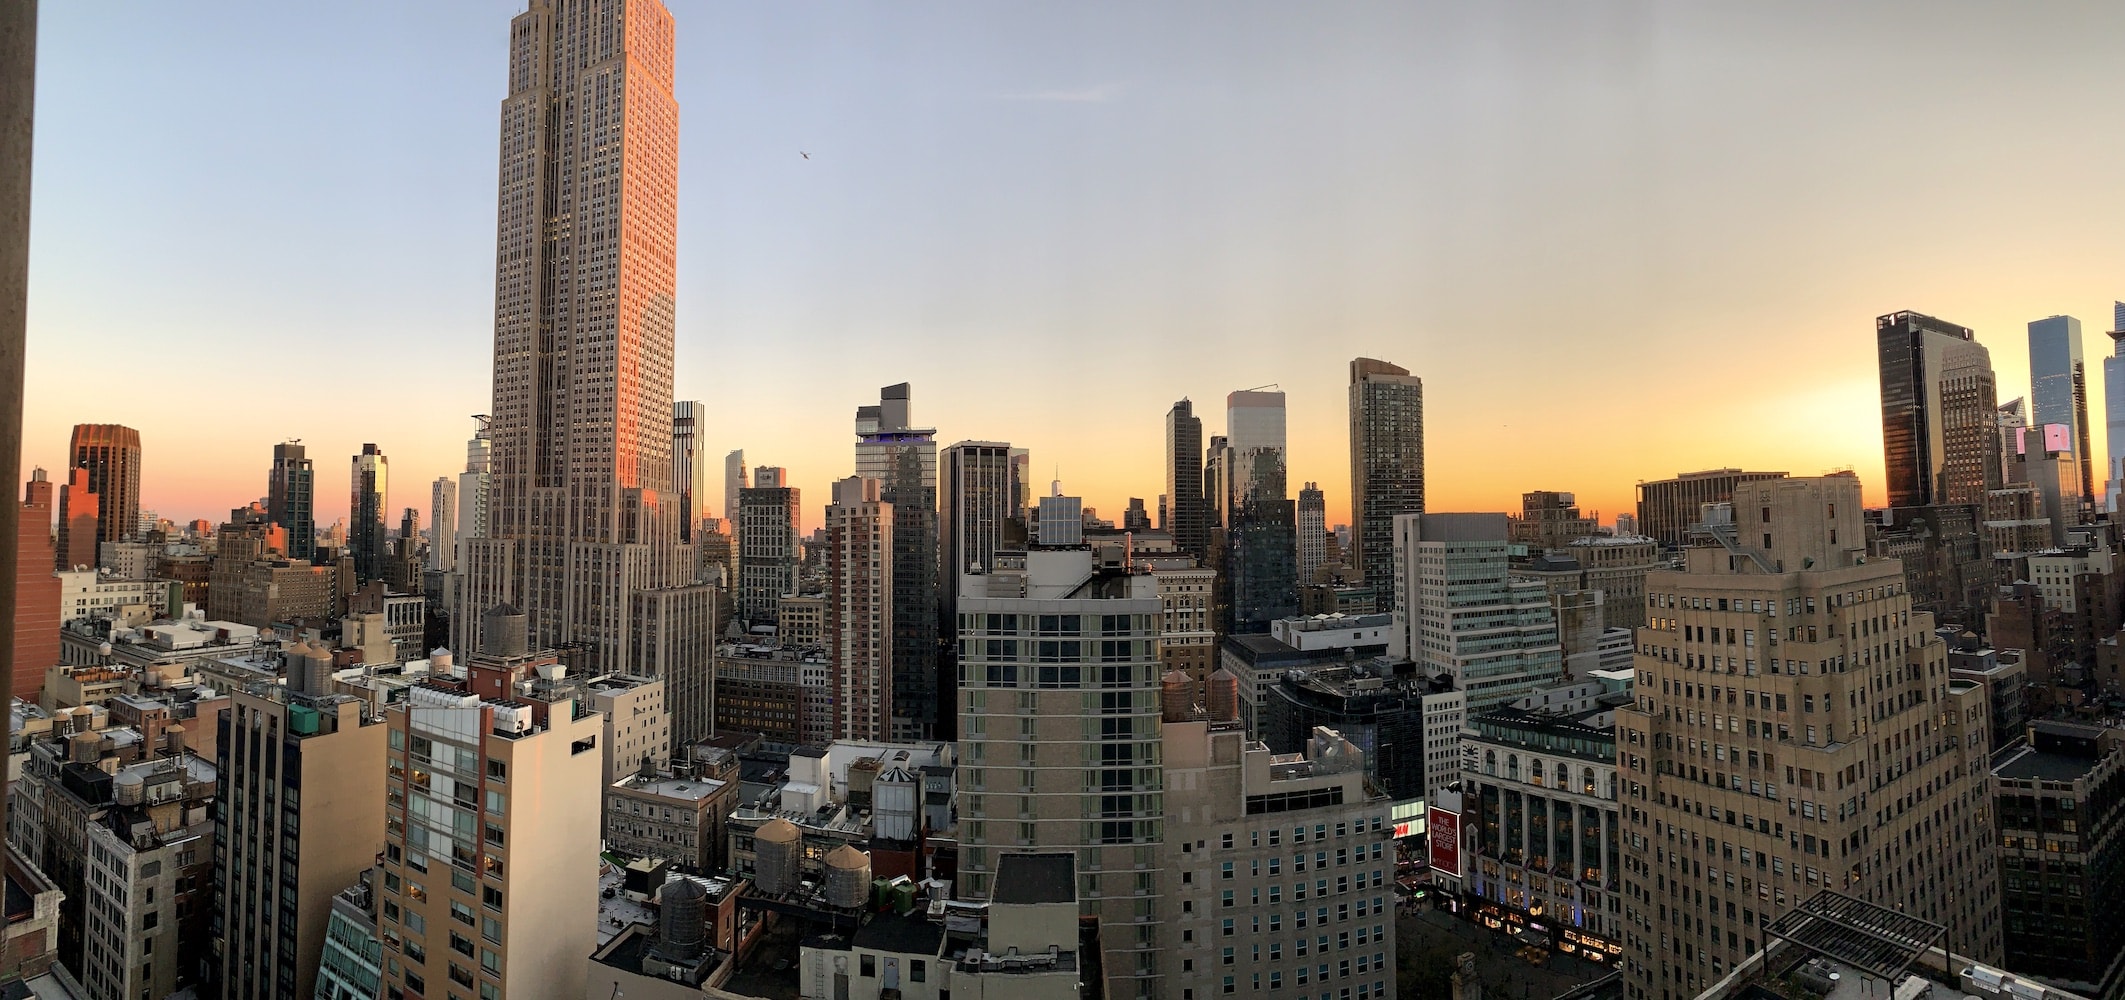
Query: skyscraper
(1939, 401)
(1262, 533)
(768, 535)
(1386, 465)
(981, 515)
(583, 533)
(442, 524)
(2058, 387)
(1313, 532)
(111, 454)
(903, 458)
(1034, 735)
(859, 611)
(291, 498)
(689, 463)
(733, 482)
(367, 495)
(1461, 614)
(80, 509)
(472, 489)
(1793, 728)
(1187, 515)
(36, 619)
(2114, 409)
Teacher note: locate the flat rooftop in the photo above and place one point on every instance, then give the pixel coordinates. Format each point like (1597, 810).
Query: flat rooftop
(2023, 762)
(1035, 878)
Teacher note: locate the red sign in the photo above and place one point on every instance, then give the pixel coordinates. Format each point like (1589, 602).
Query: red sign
(1445, 840)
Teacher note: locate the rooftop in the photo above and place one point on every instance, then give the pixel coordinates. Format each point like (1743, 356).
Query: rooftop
(1036, 878)
(903, 934)
(688, 789)
(2020, 761)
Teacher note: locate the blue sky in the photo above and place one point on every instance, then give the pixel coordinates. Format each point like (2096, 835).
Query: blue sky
(1618, 241)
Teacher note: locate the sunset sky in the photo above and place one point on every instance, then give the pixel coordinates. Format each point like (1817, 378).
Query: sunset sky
(1616, 241)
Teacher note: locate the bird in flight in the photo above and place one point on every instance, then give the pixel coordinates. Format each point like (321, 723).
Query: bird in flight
(804, 154)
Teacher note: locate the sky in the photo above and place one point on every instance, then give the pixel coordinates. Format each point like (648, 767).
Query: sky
(1617, 241)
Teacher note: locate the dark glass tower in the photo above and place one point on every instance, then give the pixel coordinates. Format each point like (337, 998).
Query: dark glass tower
(290, 498)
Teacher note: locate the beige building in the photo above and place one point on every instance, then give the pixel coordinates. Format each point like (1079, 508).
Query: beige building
(1279, 868)
(150, 880)
(490, 883)
(1795, 729)
(1617, 565)
(675, 816)
(637, 726)
(801, 622)
(303, 780)
(1059, 711)
(85, 592)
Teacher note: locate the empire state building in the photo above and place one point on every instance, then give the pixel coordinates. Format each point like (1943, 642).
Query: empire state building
(583, 527)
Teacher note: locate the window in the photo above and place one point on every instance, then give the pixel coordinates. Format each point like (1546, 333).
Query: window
(870, 966)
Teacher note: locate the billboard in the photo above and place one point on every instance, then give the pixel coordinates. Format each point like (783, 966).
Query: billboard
(1445, 842)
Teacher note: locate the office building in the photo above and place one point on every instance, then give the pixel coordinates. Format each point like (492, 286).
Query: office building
(734, 483)
(1938, 399)
(1033, 726)
(301, 818)
(1462, 617)
(291, 494)
(638, 723)
(80, 518)
(767, 545)
(1386, 465)
(1406, 727)
(1239, 923)
(2058, 392)
(1540, 841)
(110, 453)
(1312, 533)
(2114, 409)
(473, 489)
(861, 609)
(1794, 728)
(1668, 507)
(903, 458)
(2060, 796)
(442, 525)
(689, 463)
(366, 535)
(506, 900)
(36, 614)
(1187, 510)
(1550, 519)
(982, 514)
(584, 534)
(1262, 530)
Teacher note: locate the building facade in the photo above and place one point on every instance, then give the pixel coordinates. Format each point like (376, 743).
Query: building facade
(2060, 796)
(1794, 728)
(291, 498)
(584, 531)
(1059, 679)
(1668, 507)
(767, 547)
(1938, 403)
(861, 608)
(2058, 390)
(903, 458)
(303, 781)
(1278, 868)
(1187, 512)
(1386, 464)
(1540, 832)
(110, 454)
(689, 464)
(1460, 615)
